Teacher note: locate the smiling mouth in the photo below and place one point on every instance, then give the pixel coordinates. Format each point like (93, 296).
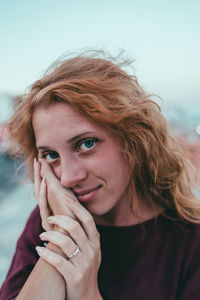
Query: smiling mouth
(87, 195)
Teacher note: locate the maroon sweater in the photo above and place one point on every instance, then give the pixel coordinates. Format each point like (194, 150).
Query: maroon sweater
(159, 260)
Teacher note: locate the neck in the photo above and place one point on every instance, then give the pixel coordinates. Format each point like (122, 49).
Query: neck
(123, 216)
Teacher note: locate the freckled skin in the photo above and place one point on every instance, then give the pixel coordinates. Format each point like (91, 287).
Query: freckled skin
(85, 168)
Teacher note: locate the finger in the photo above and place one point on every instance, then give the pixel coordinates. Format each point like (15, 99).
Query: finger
(43, 205)
(47, 172)
(61, 240)
(37, 178)
(73, 228)
(84, 217)
(63, 266)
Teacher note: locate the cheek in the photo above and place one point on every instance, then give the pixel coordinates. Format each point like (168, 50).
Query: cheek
(118, 171)
(115, 162)
(110, 164)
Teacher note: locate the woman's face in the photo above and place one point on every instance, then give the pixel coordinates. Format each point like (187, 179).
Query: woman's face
(85, 158)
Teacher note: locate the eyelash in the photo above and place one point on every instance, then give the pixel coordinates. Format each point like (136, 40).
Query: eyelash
(76, 148)
(44, 155)
(81, 142)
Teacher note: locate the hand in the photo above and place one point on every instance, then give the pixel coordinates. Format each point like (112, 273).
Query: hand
(55, 191)
(49, 193)
(80, 271)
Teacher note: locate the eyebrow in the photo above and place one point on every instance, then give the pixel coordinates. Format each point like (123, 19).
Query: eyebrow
(74, 138)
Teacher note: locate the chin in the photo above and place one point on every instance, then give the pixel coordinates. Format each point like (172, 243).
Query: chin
(96, 211)
(100, 214)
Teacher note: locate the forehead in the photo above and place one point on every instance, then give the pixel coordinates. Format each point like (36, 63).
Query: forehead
(57, 113)
(61, 120)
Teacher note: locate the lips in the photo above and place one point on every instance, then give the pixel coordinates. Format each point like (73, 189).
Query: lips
(86, 195)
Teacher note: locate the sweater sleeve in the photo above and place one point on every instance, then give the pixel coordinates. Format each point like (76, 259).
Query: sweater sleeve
(24, 259)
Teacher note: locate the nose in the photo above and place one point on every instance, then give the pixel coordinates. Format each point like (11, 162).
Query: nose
(72, 173)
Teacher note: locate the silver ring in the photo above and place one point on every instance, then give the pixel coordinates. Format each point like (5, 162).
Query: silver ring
(74, 253)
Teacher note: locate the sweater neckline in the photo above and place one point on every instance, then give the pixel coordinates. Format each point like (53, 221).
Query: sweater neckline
(134, 226)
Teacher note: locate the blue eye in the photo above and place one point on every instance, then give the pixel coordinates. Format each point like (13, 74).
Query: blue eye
(51, 156)
(86, 145)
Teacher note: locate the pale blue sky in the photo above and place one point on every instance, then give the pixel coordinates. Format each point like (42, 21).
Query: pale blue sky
(162, 36)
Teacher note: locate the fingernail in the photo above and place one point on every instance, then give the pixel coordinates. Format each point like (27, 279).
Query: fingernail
(43, 181)
(42, 235)
(34, 163)
(40, 159)
(50, 219)
(39, 249)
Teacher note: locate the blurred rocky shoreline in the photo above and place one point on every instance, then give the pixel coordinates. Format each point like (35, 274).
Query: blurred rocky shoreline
(8, 179)
(16, 203)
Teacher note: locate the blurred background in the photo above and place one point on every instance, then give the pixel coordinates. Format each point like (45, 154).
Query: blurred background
(162, 37)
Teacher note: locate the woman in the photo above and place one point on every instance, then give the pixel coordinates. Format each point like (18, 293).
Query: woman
(115, 202)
